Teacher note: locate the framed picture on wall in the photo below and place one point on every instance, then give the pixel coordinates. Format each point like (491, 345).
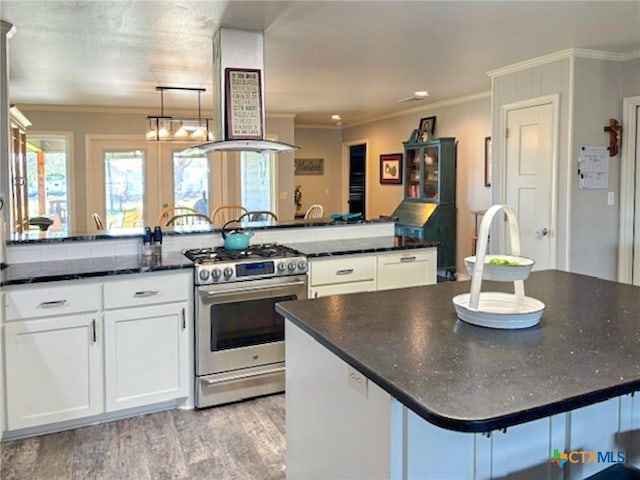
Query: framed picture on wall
(487, 161)
(391, 168)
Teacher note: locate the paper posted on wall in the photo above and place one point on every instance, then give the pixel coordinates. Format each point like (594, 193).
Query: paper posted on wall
(593, 168)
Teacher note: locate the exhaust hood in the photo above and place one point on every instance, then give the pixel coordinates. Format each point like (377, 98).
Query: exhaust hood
(238, 83)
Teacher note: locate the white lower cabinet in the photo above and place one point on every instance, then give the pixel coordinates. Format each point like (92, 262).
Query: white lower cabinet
(410, 268)
(146, 355)
(65, 354)
(371, 272)
(53, 369)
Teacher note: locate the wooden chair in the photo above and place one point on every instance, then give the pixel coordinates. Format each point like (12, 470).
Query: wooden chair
(132, 218)
(225, 213)
(188, 219)
(176, 210)
(98, 221)
(314, 211)
(258, 216)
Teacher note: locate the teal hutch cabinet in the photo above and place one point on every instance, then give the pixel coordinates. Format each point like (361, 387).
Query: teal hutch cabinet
(428, 211)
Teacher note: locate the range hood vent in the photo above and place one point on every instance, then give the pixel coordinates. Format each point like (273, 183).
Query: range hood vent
(238, 83)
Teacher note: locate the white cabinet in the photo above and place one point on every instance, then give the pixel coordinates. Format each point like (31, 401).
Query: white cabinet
(341, 275)
(146, 347)
(370, 272)
(53, 355)
(409, 268)
(72, 346)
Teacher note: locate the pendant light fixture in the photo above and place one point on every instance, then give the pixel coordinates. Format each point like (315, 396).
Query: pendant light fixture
(165, 128)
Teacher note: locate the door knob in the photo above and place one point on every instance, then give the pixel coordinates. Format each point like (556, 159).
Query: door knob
(542, 231)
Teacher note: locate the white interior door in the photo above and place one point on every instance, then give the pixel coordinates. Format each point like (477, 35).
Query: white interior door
(529, 174)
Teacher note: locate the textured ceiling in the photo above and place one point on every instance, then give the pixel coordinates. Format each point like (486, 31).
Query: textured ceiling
(353, 58)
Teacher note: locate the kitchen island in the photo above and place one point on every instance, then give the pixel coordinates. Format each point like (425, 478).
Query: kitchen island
(392, 384)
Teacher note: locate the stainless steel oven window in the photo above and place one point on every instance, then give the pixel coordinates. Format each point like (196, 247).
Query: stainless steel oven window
(246, 322)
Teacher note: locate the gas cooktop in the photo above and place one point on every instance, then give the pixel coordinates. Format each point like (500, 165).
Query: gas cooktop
(220, 265)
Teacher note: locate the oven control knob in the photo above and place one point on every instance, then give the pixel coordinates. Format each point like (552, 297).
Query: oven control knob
(204, 275)
(228, 272)
(291, 266)
(282, 267)
(215, 273)
(302, 265)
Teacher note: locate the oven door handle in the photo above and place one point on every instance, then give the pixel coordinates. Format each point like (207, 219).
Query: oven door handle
(213, 293)
(243, 376)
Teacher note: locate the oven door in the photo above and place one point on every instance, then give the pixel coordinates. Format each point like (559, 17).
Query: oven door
(237, 325)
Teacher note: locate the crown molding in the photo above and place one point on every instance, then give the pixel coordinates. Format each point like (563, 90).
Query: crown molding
(424, 108)
(320, 127)
(561, 55)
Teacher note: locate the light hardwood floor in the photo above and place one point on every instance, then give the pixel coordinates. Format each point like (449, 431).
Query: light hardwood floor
(243, 440)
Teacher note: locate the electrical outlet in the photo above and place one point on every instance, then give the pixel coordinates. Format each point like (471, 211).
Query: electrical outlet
(358, 381)
(611, 198)
(326, 191)
(284, 195)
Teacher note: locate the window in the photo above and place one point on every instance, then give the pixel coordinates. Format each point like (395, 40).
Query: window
(191, 181)
(47, 166)
(124, 188)
(257, 174)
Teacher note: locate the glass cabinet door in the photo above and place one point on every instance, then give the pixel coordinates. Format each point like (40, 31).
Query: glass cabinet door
(431, 183)
(412, 174)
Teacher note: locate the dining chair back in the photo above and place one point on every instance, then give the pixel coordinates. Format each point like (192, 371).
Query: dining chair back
(132, 218)
(257, 216)
(98, 221)
(188, 219)
(169, 212)
(314, 211)
(225, 213)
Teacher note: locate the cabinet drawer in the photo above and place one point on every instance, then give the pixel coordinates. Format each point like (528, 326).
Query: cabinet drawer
(49, 301)
(342, 270)
(146, 290)
(410, 268)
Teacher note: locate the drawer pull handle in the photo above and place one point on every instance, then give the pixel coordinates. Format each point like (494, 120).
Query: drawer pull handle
(244, 376)
(346, 271)
(52, 304)
(93, 330)
(184, 319)
(146, 293)
(408, 259)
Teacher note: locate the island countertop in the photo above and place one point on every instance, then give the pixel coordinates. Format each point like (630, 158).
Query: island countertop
(467, 378)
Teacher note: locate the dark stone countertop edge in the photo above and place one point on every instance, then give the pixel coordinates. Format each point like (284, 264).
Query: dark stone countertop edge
(104, 272)
(393, 248)
(138, 232)
(455, 424)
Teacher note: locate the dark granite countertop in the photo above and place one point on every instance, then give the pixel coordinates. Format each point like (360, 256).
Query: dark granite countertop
(36, 236)
(356, 245)
(462, 377)
(22, 273)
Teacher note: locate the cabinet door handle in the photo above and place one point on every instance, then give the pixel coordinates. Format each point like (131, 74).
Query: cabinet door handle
(93, 331)
(408, 259)
(346, 271)
(184, 319)
(52, 304)
(146, 293)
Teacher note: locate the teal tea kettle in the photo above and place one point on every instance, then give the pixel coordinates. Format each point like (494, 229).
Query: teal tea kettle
(235, 239)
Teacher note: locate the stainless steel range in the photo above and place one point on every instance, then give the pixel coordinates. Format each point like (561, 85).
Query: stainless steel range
(239, 335)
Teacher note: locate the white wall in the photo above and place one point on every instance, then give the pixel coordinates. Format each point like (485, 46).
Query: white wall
(537, 81)
(324, 189)
(469, 120)
(591, 92)
(594, 223)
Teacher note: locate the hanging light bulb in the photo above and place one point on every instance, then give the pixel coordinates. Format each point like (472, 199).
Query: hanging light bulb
(166, 128)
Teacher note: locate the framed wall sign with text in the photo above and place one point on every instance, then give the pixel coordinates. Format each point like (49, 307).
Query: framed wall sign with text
(243, 107)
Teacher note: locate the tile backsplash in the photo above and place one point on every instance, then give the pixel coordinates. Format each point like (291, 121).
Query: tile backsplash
(76, 249)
